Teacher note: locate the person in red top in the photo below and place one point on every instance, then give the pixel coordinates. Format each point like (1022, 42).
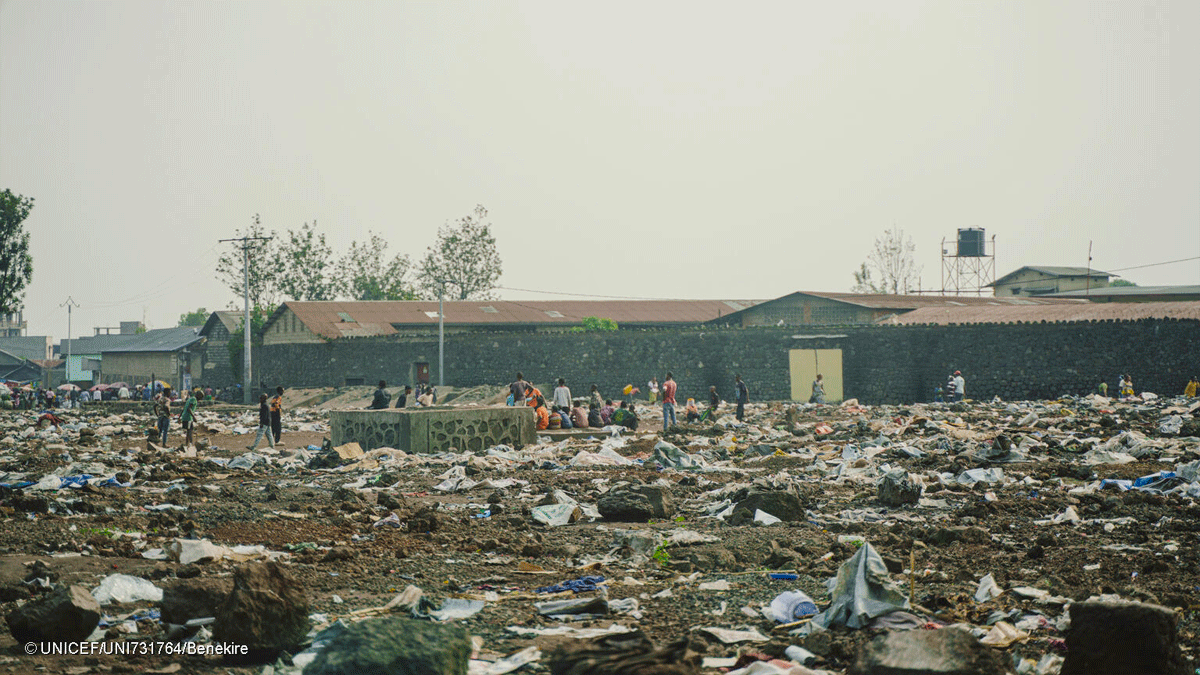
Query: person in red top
(543, 415)
(668, 402)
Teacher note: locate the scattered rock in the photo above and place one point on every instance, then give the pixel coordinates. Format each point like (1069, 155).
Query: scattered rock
(785, 505)
(194, 599)
(948, 651)
(637, 504)
(267, 611)
(396, 646)
(68, 614)
(1122, 638)
(895, 489)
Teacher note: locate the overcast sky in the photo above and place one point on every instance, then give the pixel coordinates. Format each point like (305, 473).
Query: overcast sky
(659, 150)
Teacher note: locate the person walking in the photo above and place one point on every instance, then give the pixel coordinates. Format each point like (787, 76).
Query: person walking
(264, 423)
(187, 418)
(162, 411)
(668, 402)
(818, 390)
(743, 397)
(277, 415)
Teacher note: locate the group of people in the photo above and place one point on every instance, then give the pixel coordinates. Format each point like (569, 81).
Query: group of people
(425, 395)
(270, 419)
(600, 412)
(956, 389)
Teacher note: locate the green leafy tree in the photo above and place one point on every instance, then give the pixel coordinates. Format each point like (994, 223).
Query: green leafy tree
(592, 323)
(890, 267)
(463, 261)
(366, 273)
(16, 265)
(264, 268)
(258, 319)
(196, 318)
(306, 265)
(1121, 282)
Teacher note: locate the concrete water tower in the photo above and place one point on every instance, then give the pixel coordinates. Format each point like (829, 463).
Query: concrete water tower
(969, 268)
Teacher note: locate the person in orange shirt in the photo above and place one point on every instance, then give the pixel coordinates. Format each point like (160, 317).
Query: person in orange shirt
(543, 415)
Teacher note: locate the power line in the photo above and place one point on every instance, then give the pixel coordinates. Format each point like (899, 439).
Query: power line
(1169, 262)
(583, 295)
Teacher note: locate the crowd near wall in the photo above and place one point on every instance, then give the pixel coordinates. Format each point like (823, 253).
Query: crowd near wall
(881, 364)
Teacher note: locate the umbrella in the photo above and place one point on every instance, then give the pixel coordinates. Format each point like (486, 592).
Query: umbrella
(100, 387)
(118, 385)
(159, 383)
(67, 387)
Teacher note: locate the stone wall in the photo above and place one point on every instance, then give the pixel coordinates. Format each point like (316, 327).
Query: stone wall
(881, 364)
(435, 429)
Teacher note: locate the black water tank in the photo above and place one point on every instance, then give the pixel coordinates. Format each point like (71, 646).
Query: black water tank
(971, 242)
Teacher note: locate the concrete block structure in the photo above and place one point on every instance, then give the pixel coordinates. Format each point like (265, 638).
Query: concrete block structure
(437, 429)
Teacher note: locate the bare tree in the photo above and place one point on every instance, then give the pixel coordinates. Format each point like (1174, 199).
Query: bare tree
(463, 261)
(890, 267)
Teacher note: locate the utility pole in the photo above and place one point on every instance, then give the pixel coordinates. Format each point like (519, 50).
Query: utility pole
(1087, 289)
(441, 336)
(246, 317)
(69, 302)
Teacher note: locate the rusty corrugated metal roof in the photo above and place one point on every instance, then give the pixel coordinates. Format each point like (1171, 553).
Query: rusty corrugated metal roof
(1108, 311)
(359, 319)
(907, 302)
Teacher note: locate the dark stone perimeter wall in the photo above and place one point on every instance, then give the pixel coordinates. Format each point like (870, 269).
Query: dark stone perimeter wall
(881, 364)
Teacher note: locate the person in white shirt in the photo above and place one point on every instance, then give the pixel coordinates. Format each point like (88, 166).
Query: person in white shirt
(562, 395)
(960, 386)
(123, 393)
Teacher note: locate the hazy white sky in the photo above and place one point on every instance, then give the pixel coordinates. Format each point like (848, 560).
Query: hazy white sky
(663, 149)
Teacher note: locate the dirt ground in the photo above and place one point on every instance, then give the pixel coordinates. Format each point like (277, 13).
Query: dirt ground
(482, 542)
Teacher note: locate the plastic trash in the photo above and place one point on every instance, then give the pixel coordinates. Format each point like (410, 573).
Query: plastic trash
(800, 655)
(247, 460)
(1028, 420)
(573, 609)
(555, 515)
(124, 588)
(790, 606)
(987, 589)
(718, 585)
(861, 591)
(509, 663)
(188, 551)
(669, 456)
(765, 518)
(391, 520)
(1170, 425)
(455, 609)
(972, 476)
(580, 585)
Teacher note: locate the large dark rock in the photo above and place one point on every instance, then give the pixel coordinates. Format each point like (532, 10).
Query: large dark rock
(194, 599)
(68, 614)
(1122, 638)
(637, 504)
(267, 611)
(395, 646)
(895, 489)
(948, 651)
(785, 505)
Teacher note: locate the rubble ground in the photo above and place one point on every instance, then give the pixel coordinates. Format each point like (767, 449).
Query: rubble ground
(989, 515)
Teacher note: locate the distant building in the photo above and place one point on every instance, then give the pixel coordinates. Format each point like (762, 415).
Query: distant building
(1030, 280)
(1077, 312)
(1135, 294)
(313, 322)
(12, 325)
(86, 355)
(217, 370)
(29, 346)
(167, 354)
(17, 368)
(811, 308)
